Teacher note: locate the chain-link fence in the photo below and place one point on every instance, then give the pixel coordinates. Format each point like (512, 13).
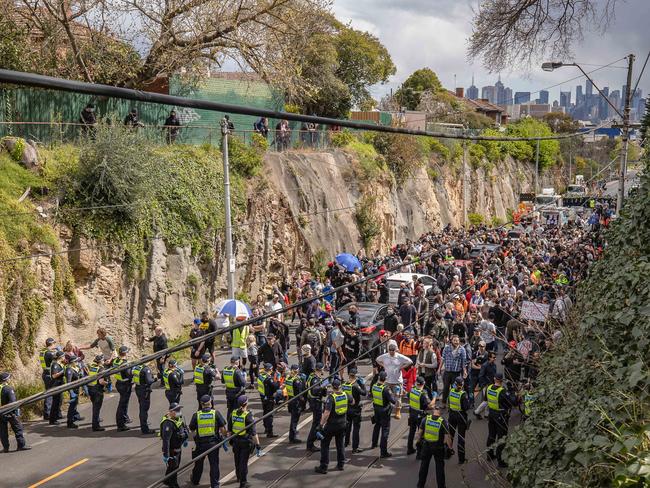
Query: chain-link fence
(56, 132)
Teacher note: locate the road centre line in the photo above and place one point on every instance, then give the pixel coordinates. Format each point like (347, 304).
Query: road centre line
(59, 473)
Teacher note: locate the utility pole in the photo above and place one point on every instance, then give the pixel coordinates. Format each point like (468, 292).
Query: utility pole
(465, 178)
(537, 168)
(230, 259)
(625, 139)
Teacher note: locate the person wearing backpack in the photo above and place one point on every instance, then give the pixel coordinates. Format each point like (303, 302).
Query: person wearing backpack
(312, 336)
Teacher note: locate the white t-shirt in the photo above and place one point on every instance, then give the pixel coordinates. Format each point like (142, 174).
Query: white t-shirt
(487, 328)
(222, 322)
(393, 366)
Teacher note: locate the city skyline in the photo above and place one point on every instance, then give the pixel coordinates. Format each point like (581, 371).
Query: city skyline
(582, 105)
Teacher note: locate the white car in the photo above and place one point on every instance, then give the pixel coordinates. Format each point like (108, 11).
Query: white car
(395, 281)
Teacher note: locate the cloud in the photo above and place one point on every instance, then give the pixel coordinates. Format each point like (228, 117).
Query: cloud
(434, 33)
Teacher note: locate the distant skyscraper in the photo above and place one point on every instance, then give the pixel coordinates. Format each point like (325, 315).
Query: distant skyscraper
(522, 97)
(489, 93)
(580, 98)
(507, 96)
(565, 99)
(472, 91)
(590, 89)
(543, 96)
(499, 92)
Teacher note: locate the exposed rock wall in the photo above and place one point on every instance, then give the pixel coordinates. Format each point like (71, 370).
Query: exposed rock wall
(304, 203)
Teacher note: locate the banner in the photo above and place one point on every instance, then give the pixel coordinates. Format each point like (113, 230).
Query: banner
(534, 311)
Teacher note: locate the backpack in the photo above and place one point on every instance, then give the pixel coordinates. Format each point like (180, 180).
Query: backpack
(313, 339)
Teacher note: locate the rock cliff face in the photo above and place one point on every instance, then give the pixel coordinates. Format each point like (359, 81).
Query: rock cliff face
(302, 206)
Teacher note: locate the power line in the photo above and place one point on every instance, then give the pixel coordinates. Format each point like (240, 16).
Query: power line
(30, 79)
(641, 73)
(566, 81)
(197, 340)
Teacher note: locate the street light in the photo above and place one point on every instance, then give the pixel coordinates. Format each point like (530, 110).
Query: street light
(550, 66)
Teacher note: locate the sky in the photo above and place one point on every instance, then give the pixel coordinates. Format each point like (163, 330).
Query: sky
(434, 33)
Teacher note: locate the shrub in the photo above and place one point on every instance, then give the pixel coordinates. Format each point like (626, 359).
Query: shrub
(341, 138)
(497, 221)
(403, 154)
(438, 148)
(475, 218)
(366, 221)
(476, 155)
(245, 160)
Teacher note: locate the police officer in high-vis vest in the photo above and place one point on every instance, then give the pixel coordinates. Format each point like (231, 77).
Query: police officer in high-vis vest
(45, 357)
(434, 438)
(7, 396)
(418, 405)
(332, 424)
(244, 441)
(382, 402)
(207, 424)
(528, 399)
(173, 433)
(57, 373)
(143, 378)
(500, 401)
(204, 376)
(96, 390)
(235, 380)
(124, 388)
(459, 404)
(355, 388)
(173, 381)
(72, 373)
(294, 386)
(266, 387)
(317, 390)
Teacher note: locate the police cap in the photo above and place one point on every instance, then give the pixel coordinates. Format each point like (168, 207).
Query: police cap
(206, 357)
(5, 375)
(123, 349)
(336, 382)
(175, 407)
(319, 366)
(49, 341)
(383, 376)
(242, 400)
(205, 399)
(352, 372)
(268, 366)
(458, 380)
(420, 380)
(294, 367)
(498, 376)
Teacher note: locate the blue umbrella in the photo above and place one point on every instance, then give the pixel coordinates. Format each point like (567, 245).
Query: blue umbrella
(234, 308)
(349, 262)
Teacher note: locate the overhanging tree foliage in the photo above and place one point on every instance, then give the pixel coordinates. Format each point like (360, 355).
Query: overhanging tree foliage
(590, 424)
(183, 35)
(518, 32)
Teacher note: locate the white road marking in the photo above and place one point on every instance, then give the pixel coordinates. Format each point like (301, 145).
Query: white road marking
(34, 444)
(273, 445)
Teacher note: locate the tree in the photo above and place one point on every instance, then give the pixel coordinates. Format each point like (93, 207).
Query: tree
(363, 61)
(645, 127)
(561, 122)
(507, 33)
(337, 68)
(183, 35)
(410, 93)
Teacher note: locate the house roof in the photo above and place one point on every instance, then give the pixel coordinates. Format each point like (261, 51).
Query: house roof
(480, 105)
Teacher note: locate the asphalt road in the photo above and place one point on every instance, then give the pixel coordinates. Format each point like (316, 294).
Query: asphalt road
(631, 180)
(79, 458)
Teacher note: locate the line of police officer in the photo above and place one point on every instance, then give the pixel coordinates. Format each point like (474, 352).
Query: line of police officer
(330, 417)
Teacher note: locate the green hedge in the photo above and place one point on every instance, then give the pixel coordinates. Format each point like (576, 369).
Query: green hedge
(590, 425)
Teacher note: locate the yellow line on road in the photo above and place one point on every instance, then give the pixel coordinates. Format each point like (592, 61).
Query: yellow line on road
(59, 473)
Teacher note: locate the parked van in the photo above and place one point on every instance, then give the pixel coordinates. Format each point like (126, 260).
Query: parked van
(395, 281)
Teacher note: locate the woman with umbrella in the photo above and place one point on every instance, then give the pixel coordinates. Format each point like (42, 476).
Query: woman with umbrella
(240, 311)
